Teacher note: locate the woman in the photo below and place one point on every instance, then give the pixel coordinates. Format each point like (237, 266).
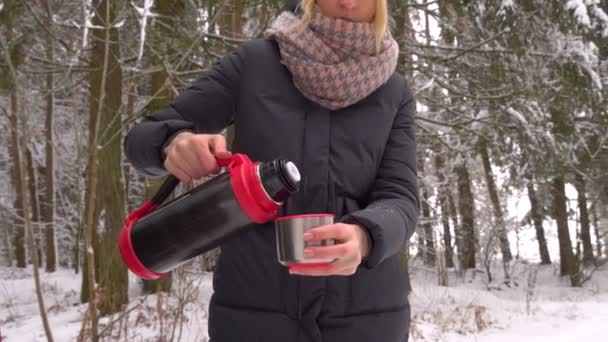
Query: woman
(321, 91)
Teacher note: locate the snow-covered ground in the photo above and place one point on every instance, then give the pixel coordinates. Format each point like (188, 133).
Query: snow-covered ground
(547, 309)
(146, 317)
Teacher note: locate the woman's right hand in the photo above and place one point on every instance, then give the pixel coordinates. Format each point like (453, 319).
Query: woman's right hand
(192, 156)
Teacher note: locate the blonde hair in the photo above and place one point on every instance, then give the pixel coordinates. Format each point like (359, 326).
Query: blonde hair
(379, 24)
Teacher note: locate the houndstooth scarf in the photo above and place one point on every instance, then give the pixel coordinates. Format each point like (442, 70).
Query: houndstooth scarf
(334, 62)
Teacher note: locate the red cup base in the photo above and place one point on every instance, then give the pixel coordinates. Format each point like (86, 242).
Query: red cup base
(311, 265)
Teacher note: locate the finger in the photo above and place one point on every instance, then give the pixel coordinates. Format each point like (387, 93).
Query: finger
(218, 148)
(217, 144)
(338, 231)
(176, 171)
(206, 160)
(344, 267)
(328, 252)
(185, 157)
(223, 154)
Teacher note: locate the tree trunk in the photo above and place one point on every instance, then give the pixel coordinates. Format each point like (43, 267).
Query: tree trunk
(596, 230)
(500, 229)
(404, 34)
(426, 239)
(429, 239)
(581, 189)
(33, 201)
(231, 19)
(31, 235)
(445, 215)
(9, 83)
(104, 194)
(466, 207)
(443, 204)
(48, 202)
(454, 217)
(231, 25)
(18, 224)
(420, 244)
(535, 211)
(560, 213)
(5, 228)
(111, 271)
(564, 132)
(20, 145)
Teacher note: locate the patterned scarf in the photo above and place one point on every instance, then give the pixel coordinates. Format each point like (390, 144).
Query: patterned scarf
(334, 62)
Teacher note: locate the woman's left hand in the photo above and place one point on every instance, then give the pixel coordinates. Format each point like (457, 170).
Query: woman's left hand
(350, 248)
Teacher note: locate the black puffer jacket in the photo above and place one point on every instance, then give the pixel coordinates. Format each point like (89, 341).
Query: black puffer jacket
(358, 163)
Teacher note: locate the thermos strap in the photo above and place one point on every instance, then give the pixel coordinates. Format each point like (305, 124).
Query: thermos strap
(165, 190)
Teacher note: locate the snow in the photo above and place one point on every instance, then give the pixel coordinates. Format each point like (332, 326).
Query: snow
(468, 309)
(602, 17)
(145, 13)
(507, 3)
(589, 14)
(580, 11)
(504, 7)
(20, 320)
(517, 115)
(549, 310)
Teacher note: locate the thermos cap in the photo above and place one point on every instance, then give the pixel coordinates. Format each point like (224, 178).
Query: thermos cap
(292, 172)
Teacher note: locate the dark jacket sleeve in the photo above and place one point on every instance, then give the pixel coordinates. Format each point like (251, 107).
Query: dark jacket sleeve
(206, 106)
(392, 213)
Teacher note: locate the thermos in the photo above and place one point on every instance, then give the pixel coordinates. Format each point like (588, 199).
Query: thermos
(156, 239)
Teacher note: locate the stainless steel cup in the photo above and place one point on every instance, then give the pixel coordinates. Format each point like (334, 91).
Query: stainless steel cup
(290, 238)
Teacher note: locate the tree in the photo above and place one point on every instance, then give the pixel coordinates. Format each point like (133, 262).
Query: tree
(32, 188)
(581, 189)
(105, 108)
(442, 199)
(12, 48)
(537, 218)
(501, 230)
(23, 177)
(105, 201)
(426, 240)
(466, 205)
(48, 202)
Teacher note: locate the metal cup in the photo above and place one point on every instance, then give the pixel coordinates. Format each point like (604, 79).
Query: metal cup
(290, 238)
